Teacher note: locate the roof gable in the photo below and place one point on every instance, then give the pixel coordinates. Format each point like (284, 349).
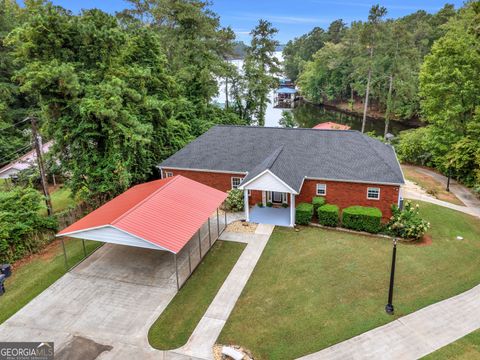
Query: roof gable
(266, 180)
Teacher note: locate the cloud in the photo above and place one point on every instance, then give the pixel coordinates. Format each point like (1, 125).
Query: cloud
(280, 19)
(370, 4)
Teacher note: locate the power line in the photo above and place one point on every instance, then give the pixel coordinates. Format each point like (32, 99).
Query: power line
(15, 124)
(8, 157)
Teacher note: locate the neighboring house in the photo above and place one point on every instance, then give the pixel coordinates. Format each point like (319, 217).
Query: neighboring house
(22, 163)
(286, 166)
(331, 126)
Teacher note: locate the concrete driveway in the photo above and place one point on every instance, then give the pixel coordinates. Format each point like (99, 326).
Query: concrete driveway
(103, 308)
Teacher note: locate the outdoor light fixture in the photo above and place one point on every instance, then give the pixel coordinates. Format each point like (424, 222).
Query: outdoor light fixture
(389, 306)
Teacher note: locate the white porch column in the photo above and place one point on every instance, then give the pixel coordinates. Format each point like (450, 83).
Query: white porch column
(292, 209)
(246, 205)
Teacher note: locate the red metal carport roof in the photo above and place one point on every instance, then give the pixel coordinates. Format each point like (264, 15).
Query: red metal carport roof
(166, 212)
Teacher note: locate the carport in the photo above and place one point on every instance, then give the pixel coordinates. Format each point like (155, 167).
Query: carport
(175, 215)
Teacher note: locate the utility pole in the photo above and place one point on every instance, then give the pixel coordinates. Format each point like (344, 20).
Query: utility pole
(43, 177)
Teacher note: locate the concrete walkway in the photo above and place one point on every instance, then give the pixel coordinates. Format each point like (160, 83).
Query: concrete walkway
(414, 335)
(204, 336)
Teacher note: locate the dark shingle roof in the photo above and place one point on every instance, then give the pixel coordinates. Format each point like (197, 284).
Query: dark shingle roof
(291, 154)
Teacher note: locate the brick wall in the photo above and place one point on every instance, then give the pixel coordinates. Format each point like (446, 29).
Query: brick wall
(343, 194)
(346, 194)
(219, 181)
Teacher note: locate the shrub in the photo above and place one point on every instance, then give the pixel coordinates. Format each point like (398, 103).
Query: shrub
(284, 205)
(23, 230)
(318, 201)
(362, 218)
(407, 223)
(234, 201)
(328, 215)
(303, 213)
(260, 204)
(269, 204)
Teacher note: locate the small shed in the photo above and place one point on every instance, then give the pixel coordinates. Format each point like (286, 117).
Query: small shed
(176, 215)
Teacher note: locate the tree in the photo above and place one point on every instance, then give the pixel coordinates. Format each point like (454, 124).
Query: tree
(14, 140)
(195, 45)
(287, 119)
(450, 76)
(261, 68)
(103, 92)
(369, 38)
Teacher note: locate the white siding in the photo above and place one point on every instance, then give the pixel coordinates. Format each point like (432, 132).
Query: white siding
(109, 234)
(267, 181)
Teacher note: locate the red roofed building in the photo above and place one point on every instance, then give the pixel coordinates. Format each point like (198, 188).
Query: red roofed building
(167, 214)
(331, 126)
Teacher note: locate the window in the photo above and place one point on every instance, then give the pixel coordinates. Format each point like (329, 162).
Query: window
(373, 193)
(168, 174)
(322, 189)
(236, 182)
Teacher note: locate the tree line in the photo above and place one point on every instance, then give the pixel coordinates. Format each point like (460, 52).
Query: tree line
(424, 66)
(119, 93)
(375, 62)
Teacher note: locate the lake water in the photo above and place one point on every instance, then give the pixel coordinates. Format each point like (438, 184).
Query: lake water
(308, 115)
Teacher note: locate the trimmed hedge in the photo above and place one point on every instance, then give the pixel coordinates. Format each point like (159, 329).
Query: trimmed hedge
(328, 215)
(362, 218)
(303, 213)
(318, 201)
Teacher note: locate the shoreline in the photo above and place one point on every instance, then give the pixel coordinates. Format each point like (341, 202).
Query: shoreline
(414, 122)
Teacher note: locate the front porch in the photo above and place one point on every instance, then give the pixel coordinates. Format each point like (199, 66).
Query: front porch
(270, 215)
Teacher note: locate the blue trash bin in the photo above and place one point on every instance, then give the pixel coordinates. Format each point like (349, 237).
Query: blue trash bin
(6, 269)
(2, 286)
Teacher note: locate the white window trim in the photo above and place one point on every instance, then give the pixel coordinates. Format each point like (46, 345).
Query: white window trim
(168, 174)
(325, 190)
(239, 182)
(372, 188)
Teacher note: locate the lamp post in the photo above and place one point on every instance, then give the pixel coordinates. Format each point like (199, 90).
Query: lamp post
(448, 180)
(389, 306)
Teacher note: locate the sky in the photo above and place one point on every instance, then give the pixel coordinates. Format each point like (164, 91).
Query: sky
(291, 17)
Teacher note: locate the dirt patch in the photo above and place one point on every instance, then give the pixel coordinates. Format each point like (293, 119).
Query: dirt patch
(426, 240)
(431, 186)
(80, 348)
(241, 227)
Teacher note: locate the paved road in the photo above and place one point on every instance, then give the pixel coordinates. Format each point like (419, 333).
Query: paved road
(206, 333)
(415, 192)
(414, 335)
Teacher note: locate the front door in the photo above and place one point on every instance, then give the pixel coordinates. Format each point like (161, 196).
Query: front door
(277, 197)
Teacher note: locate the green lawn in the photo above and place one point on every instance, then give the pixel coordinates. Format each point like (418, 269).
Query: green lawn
(62, 199)
(38, 273)
(465, 348)
(314, 288)
(175, 325)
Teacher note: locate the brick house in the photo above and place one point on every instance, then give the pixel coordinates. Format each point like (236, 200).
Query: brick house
(285, 166)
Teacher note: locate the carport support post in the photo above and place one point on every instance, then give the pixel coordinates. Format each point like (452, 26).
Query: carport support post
(84, 248)
(225, 220)
(176, 270)
(209, 235)
(65, 255)
(218, 225)
(200, 243)
(189, 261)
